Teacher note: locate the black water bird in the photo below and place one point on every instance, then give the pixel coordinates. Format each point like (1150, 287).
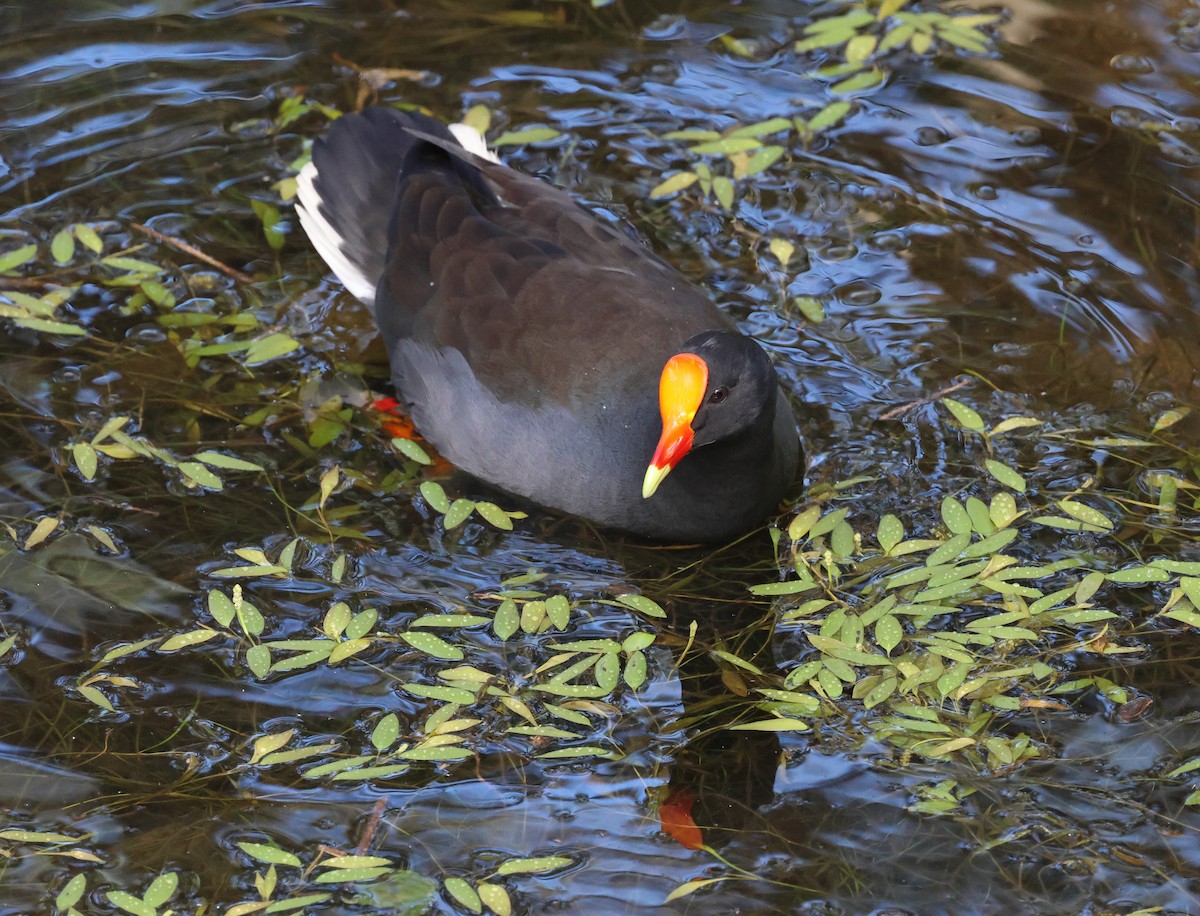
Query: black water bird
(537, 346)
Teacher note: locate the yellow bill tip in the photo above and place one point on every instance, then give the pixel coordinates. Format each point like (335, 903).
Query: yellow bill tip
(654, 477)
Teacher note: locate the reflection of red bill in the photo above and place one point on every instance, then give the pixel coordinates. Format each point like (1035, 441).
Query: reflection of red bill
(675, 815)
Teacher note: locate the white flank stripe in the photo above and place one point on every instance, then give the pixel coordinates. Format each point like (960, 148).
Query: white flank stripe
(325, 239)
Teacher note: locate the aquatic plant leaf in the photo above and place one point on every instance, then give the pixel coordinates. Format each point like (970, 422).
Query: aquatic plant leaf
(966, 416)
(51, 327)
(269, 854)
(810, 307)
(888, 633)
(527, 135)
(495, 898)
(673, 185)
(860, 48)
(434, 752)
(1086, 514)
(250, 618)
(72, 892)
(435, 495)
(258, 660)
(860, 82)
(130, 904)
(221, 608)
(967, 39)
(955, 516)
(479, 118)
(507, 620)
(992, 543)
(269, 348)
(828, 522)
(949, 550)
(533, 616)
(449, 621)
(199, 474)
(635, 670)
(636, 642)
(691, 887)
(723, 191)
(456, 695)
(464, 894)
(345, 650)
(62, 246)
(338, 766)
(772, 725)
(433, 645)
(42, 530)
(459, 511)
(1014, 423)
(1138, 575)
(133, 265)
(297, 754)
(36, 836)
(85, 459)
(981, 521)
(761, 160)
(608, 672)
(842, 540)
(535, 866)
(494, 516)
(268, 744)
(161, 889)
(1169, 418)
(889, 533)
(558, 609)
(352, 862)
(412, 451)
(294, 903)
(17, 258)
(189, 639)
(227, 462)
(896, 37)
(88, 237)
(1188, 767)
(726, 146)
(337, 618)
(578, 691)
(386, 732)
(828, 116)
(642, 605)
(803, 522)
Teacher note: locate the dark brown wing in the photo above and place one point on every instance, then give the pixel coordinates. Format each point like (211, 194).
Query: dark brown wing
(543, 299)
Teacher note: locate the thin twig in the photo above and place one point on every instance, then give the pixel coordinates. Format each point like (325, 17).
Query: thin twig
(912, 405)
(25, 283)
(195, 253)
(372, 825)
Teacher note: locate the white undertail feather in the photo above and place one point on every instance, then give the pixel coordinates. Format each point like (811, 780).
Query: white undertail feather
(326, 240)
(472, 141)
(325, 237)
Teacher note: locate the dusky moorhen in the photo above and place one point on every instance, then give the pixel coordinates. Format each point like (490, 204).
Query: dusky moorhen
(538, 347)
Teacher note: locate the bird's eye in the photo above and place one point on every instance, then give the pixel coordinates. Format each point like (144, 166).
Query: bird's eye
(718, 395)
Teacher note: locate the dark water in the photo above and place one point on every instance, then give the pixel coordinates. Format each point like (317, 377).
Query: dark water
(1026, 217)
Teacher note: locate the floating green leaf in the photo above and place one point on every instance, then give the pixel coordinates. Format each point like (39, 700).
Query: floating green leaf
(17, 258)
(272, 855)
(527, 135)
(673, 185)
(432, 645)
(62, 246)
(963, 414)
